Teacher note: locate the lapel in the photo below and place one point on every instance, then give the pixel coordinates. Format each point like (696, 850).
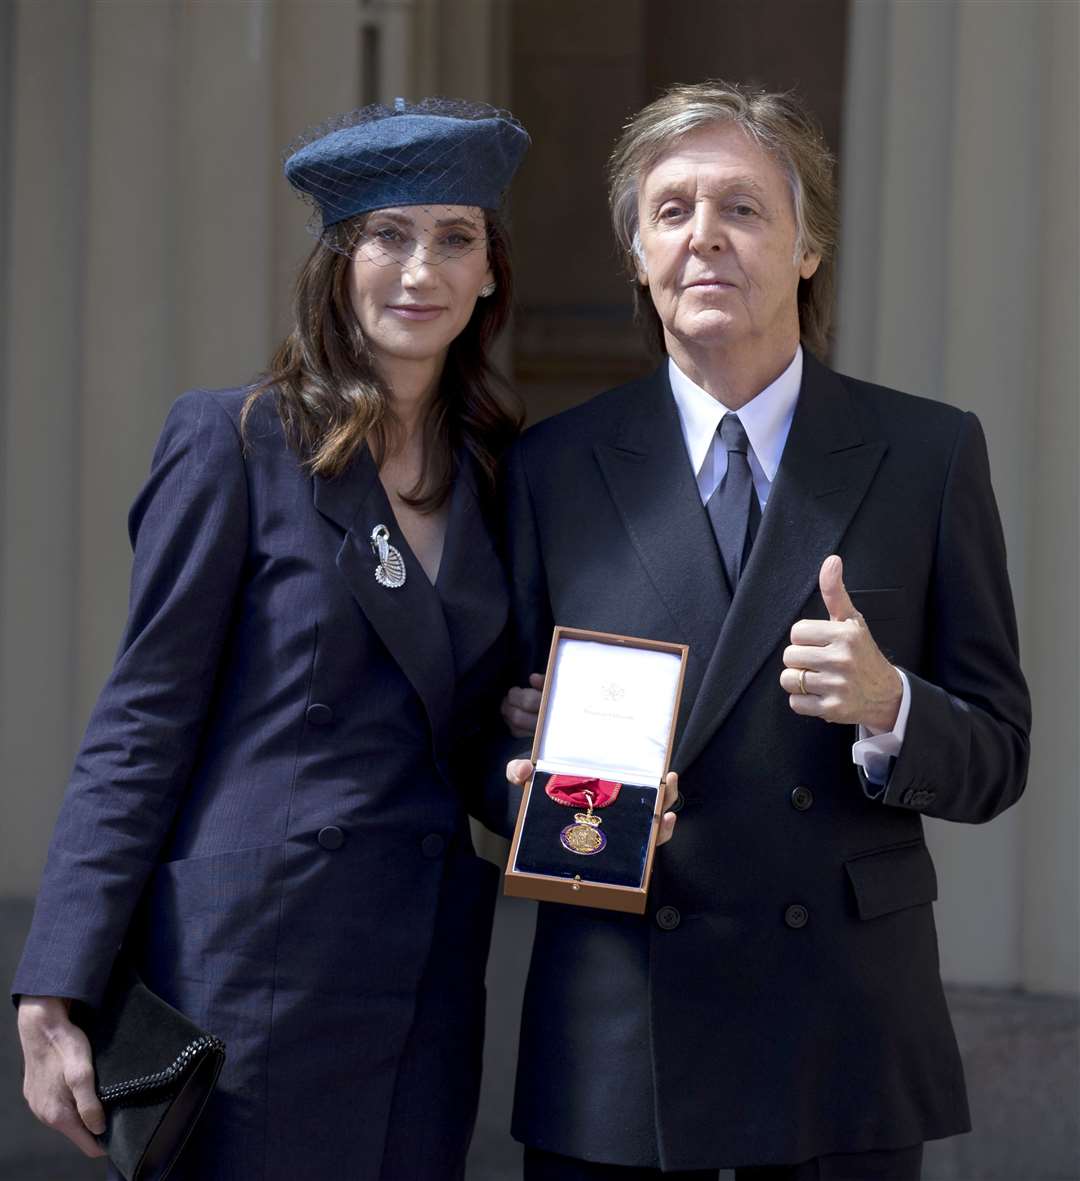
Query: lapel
(471, 582)
(825, 472)
(408, 620)
(648, 474)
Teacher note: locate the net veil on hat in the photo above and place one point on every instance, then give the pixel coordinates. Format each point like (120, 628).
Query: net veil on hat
(437, 152)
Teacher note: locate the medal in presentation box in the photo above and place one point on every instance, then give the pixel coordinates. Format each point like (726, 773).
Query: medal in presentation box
(586, 830)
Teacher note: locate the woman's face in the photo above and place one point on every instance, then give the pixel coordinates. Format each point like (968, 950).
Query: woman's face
(415, 278)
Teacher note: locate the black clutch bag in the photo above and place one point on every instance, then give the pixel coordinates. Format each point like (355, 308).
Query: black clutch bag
(155, 1070)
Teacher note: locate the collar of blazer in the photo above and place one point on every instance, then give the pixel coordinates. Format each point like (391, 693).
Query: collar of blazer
(472, 582)
(648, 475)
(824, 474)
(433, 635)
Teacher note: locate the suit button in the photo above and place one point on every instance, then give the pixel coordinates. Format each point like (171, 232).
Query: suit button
(802, 798)
(331, 837)
(668, 918)
(796, 916)
(432, 845)
(319, 714)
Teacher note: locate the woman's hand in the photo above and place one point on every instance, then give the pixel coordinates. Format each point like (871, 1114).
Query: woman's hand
(58, 1080)
(519, 770)
(521, 707)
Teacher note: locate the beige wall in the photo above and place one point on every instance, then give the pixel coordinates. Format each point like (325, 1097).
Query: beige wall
(152, 242)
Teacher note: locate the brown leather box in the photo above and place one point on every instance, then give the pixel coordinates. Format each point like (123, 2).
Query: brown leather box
(604, 735)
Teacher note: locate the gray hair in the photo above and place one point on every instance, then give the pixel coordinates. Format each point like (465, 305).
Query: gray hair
(781, 126)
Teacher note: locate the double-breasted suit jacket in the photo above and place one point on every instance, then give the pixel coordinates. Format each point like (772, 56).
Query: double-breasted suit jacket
(265, 808)
(781, 998)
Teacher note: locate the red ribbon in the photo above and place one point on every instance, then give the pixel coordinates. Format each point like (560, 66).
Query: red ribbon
(603, 791)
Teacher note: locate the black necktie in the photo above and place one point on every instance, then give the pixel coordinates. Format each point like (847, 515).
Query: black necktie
(733, 508)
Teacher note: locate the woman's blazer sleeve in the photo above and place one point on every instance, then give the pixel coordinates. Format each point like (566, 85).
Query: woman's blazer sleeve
(189, 529)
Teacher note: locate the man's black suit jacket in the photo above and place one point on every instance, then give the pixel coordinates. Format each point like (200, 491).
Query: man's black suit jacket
(781, 998)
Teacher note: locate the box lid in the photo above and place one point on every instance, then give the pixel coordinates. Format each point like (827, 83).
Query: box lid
(610, 710)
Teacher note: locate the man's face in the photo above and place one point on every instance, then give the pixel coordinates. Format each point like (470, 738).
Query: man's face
(718, 240)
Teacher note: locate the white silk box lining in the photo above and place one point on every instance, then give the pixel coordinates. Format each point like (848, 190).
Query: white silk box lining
(610, 711)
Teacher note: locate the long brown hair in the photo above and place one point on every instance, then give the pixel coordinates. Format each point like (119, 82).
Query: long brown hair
(331, 399)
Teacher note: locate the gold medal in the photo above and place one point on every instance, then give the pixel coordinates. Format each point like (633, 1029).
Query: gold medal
(584, 836)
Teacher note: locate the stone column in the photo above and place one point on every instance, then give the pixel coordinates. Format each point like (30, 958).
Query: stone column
(316, 77)
(954, 284)
(128, 291)
(176, 287)
(40, 463)
(1049, 939)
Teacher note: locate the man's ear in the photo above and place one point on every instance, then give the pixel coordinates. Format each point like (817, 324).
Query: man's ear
(639, 261)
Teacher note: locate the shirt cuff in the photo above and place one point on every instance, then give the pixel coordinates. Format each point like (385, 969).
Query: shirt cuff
(875, 749)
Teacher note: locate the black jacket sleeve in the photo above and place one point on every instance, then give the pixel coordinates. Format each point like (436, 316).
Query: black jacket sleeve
(965, 751)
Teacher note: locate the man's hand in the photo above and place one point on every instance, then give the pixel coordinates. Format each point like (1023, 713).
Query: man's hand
(521, 707)
(518, 771)
(667, 819)
(58, 1081)
(833, 669)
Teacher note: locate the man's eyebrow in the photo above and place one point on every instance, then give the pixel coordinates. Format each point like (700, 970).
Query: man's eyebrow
(677, 186)
(743, 182)
(737, 185)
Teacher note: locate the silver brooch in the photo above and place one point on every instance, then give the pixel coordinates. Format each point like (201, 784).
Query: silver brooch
(391, 568)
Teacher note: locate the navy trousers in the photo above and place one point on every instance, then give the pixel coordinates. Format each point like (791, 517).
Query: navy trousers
(903, 1164)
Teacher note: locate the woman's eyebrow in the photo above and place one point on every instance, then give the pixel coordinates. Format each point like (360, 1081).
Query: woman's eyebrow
(406, 220)
(401, 219)
(460, 220)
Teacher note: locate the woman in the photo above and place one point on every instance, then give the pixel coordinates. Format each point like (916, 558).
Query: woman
(269, 807)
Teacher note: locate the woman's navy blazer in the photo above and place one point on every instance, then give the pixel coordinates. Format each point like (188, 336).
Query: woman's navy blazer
(265, 806)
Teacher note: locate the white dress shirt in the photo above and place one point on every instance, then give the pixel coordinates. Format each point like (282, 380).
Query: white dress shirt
(766, 418)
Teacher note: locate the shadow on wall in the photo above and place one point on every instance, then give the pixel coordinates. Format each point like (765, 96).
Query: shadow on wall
(1021, 1054)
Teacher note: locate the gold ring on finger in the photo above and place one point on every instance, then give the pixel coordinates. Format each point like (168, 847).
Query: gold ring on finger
(802, 682)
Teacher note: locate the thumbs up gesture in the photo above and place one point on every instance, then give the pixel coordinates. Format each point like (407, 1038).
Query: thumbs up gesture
(833, 669)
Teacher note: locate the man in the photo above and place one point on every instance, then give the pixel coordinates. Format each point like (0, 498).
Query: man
(832, 554)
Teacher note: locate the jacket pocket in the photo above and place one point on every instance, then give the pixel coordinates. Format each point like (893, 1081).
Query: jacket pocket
(213, 909)
(880, 604)
(892, 879)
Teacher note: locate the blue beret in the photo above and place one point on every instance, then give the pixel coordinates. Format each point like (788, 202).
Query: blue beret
(409, 156)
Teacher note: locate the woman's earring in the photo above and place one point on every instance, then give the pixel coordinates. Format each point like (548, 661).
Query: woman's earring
(487, 289)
